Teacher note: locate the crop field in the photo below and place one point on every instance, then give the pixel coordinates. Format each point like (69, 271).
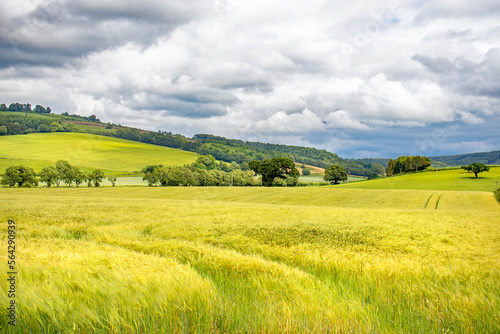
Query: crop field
(447, 179)
(88, 151)
(253, 260)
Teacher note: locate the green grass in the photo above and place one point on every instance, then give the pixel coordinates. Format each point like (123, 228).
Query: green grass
(253, 260)
(88, 151)
(448, 179)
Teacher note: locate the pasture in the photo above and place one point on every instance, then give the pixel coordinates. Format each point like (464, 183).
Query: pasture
(87, 151)
(254, 260)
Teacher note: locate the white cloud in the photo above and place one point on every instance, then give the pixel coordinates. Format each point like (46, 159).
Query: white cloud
(281, 70)
(342, 119)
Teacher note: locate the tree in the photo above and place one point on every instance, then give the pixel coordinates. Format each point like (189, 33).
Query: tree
(49, 175)
(151, 175)
(65, 172)
(476, 168)
(334, 174)
(109, 126)
(274, 168)
(43, 128)
(96, 177)
(56, 127)
(390, 168)
(39, 109)
(19, 175)
(112, 179)
(306, 171)
(78, 176)
(205, 162)
(3, 130)
(378, 169)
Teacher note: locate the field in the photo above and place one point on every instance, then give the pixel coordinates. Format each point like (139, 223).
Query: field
(446, 179)
(87, 151)
(249, 260)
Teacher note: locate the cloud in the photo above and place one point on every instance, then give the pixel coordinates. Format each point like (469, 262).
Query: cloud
(342, 119)
(349, 77)
(295, 123)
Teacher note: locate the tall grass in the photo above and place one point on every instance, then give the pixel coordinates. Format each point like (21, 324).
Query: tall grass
(236, 260)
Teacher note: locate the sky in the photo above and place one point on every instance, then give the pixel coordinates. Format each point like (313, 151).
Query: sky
(358, 78)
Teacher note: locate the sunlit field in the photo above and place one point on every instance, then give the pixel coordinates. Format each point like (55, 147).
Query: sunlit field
(87, 151)
(254, 260)
(446, 179)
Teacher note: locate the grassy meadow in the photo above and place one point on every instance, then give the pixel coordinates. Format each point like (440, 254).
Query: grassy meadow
(253, 260)
(87, 151)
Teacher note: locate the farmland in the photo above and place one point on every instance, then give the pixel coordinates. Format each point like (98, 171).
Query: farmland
(87, 151)
(446, 179)
(315, 259)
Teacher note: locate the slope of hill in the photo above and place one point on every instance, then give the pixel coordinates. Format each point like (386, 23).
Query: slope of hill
(448, 179)
(88, 150)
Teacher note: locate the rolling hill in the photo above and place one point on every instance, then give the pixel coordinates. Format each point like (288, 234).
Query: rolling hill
(87, 151)
(447, 179)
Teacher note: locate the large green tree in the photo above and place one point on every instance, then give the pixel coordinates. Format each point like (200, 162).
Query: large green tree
(476, 168)
(274, 168)
(96, 177)
(49, 175)
(21, 176)
(79, 176)
(378, 169)
(335, 173)
(65, 171)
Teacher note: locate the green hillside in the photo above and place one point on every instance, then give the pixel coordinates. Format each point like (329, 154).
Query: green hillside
(448, 179)
(86, 150)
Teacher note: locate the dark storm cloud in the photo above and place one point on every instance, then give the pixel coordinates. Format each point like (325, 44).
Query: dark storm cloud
(464, 76)
(56, 32)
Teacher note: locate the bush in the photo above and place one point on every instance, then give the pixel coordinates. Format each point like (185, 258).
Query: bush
(279, 182)
(497, 194)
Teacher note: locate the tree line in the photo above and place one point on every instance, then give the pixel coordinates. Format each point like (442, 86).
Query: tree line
(16, 125)
(62, 171)
(25, 107)
(404, 164)
(205, 171)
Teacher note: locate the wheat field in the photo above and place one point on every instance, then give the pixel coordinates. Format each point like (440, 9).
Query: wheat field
(253, 260)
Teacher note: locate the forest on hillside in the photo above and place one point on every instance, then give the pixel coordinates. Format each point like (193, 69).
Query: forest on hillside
(20, 118)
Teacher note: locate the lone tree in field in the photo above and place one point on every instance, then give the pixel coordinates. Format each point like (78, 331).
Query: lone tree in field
(334, 174)
(476, 168)
(274, 168)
